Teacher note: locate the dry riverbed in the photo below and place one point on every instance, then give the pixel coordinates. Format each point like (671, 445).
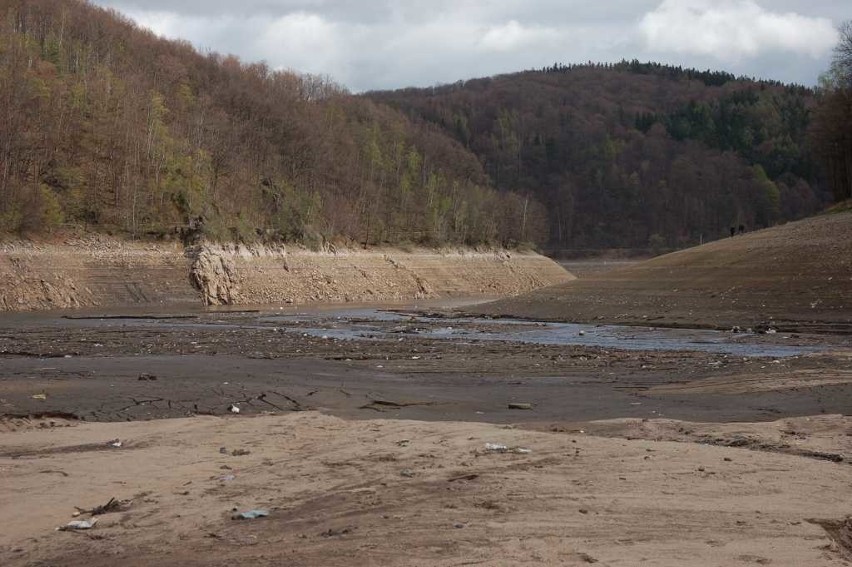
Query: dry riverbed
(365, 436)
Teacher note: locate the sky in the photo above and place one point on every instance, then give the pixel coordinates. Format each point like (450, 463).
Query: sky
(388, 44)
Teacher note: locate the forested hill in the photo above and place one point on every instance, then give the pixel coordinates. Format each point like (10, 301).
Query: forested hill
(632, 154)
(104, 126)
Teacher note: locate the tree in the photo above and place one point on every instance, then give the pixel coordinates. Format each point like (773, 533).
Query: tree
(831, 130)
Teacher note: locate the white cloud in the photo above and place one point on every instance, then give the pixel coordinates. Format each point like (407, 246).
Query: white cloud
(512, 36)
(306, 41)
(733, 29)
(370, 44)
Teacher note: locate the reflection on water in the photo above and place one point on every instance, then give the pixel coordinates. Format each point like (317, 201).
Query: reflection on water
(372, 325)
(379, 322)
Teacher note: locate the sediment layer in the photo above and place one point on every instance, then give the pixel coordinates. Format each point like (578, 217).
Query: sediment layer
(109, 272)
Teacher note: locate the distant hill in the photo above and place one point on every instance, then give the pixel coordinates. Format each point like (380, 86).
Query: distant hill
(797, 276)
(109, 128)
(634, 154)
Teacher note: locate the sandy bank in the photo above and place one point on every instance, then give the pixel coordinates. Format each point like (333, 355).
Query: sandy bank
(412, 493)
(798, 275)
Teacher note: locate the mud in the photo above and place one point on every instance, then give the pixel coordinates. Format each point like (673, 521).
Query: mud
(201, 363)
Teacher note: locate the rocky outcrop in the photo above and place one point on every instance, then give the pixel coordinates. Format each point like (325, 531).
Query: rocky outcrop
(109, 272)
(213, 275)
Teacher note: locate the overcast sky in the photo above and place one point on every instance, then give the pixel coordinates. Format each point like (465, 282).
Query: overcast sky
(378, 44)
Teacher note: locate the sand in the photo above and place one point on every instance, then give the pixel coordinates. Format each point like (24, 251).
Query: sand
(413, 493)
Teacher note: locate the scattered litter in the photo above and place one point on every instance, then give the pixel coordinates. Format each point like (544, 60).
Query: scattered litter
(407, 473)
(582, 333)
(415, 358)
(78, 525)
(498, 448)
(223, 450)
(404, 442)
(39, 396)
(520, 406)
(458, 525)
(240, 452)
(115, 443)
(250, 515)
(227, 477)
(147, 378)
(233, 409)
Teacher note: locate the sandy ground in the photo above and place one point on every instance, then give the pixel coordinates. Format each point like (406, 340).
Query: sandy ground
(413, 493)
(797, 276)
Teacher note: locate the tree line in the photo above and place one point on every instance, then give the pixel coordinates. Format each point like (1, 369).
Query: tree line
(636, 154)
(104, 126)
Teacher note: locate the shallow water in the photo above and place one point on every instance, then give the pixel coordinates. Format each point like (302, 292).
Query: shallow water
(366, 324)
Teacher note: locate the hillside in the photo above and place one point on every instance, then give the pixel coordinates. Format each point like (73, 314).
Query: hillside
(635, 155)
(798, 275)
(106, 127)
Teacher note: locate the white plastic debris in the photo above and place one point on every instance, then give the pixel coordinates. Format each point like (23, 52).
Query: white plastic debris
(499, 448)
(79, 525)
(233, 409)
(115, 443)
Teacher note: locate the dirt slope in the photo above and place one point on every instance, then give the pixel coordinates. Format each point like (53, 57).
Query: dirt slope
(798, 275)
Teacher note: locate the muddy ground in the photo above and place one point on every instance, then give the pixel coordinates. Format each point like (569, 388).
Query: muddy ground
(117, 369)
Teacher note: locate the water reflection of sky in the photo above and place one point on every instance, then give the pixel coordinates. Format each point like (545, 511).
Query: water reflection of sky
(360, 325)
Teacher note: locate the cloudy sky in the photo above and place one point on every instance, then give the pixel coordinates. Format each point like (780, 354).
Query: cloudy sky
(377, 44)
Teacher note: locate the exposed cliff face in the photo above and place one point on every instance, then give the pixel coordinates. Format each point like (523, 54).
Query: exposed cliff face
(277, 274)
(106, 272)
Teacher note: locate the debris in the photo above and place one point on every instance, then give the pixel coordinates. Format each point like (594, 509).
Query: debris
(381, 405)
(147, 378)
(115, 443)
(458, 525)
(404, 442)
(332, 532)
(78, 525)
(520, 406)
(227, 477)
(112, 506)
(250, 515)
(582, 333)
(240, 452)
(840, 532)
(233, 409)
(39, 396)
(498, 448)
(407, 473)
